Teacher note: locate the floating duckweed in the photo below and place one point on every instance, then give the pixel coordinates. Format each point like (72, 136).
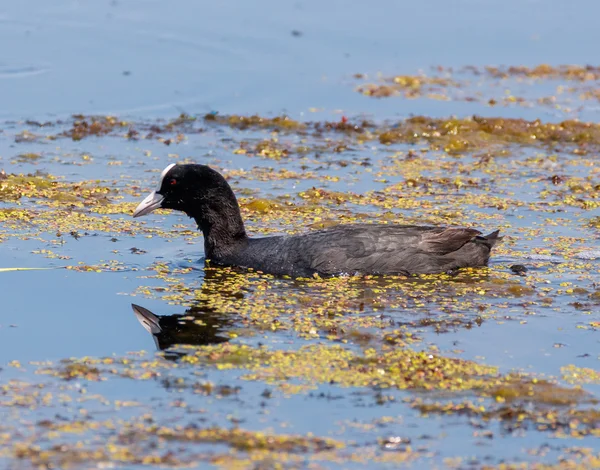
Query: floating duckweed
(246, 122)
(95, 125)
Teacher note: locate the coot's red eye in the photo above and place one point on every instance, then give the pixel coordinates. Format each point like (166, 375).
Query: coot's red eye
(173, 182)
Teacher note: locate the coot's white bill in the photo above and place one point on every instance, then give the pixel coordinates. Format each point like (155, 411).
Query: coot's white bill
(149, 204)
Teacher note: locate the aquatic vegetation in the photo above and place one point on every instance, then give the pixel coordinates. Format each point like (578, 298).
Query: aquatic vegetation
(575, 84)
(580, 375)
(95, 125)
(514, 400)
(454, 136)
(396, 358)
(462, 135)
(545, 71)
(410, 86)
(255, 121)
(47, 188)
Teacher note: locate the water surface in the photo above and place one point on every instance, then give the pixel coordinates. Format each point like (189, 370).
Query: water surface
(147, 62)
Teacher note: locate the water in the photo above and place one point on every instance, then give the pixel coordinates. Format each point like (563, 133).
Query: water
(147, 62)
(70, 57)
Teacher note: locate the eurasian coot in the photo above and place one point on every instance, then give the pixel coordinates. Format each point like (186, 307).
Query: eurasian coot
(203, 194)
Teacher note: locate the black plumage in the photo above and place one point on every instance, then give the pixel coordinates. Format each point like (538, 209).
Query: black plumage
(203, 194)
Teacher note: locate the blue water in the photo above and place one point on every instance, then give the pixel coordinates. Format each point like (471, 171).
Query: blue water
(236, 57)
(148, 61)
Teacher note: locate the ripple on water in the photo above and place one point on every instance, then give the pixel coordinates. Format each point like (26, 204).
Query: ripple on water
(21, 70)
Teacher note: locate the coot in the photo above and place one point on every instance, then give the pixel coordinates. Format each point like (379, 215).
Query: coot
(204, 195)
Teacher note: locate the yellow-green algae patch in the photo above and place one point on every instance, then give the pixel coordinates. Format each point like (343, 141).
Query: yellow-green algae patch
(48, 188)
(572, 458)
(79, 435)
(239, 439)
(26, 223)
(410, 86)
(41, 203)
(453, 135)
(140, 443)
(27, 157)
(348, 308)
(580, 375)
(561, 421)
(580, 73)
(397, 367)
(462, 135)
(575, 83)
(93, 126)
(516, 401)
(255, 121)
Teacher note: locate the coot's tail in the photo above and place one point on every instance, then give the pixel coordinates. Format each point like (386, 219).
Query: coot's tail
(489, 240)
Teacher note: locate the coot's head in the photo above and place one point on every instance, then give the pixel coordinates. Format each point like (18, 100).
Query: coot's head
(185, 188)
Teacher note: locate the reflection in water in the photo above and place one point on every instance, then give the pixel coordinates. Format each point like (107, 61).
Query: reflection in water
(194, 327)
(228, 293)
(306, 306)
(200, 325)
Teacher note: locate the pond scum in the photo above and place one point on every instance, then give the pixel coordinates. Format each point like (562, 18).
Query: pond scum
(349, 335)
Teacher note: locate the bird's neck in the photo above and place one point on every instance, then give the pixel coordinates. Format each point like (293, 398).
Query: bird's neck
(221, 223)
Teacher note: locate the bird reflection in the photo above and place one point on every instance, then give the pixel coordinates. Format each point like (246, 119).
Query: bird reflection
(203, 324)
(169, 330)
(199, 325)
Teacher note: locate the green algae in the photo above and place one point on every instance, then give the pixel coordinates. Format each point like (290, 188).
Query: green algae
(581, 459)
(266, 148)
(409, 86)
(545, 71)
(454, 135)
(47, 188)
(239, 439)
(461, 135)
(13, 187)
(561, 422)
(400, 368)
(27, 157)
(580, 375)
(575, 84)
(457, 171)
(255, 121)
(518, 401)
(93, 126)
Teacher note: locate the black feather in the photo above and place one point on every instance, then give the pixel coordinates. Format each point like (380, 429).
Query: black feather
(203, 194)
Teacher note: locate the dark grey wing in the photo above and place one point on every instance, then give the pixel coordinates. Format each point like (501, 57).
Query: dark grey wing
(446, 241)
(368, 249)
(387, 249)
